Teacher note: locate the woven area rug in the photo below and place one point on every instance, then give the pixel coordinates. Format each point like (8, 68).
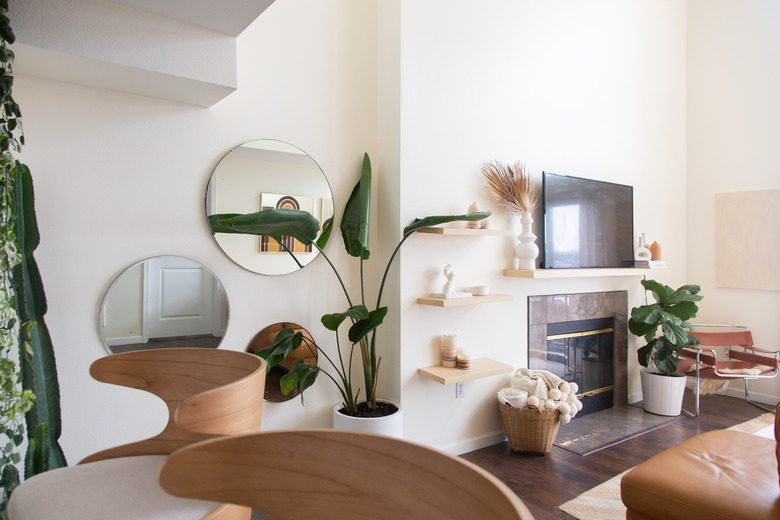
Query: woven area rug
(603, 501)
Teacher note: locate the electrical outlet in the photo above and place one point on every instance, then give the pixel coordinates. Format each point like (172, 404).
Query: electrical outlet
(459, 390)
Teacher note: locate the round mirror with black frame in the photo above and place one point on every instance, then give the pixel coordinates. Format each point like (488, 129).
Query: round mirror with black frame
(307, 350)
(163, 302)
(268, 174)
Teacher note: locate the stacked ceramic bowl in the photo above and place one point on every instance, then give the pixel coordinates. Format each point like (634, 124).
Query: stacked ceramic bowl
(463, 360)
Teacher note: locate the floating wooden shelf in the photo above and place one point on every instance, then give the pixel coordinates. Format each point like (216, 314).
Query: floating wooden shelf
(466, 231)
(458, 302)
(482, 367)
(578, 273)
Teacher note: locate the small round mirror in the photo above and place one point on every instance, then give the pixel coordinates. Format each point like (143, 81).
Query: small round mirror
(307, 351)
(163, 302)
(267, 174)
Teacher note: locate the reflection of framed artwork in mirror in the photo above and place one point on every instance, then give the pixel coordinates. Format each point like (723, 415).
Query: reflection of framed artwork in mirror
(279, 201)
(163, 302)
(265, 338)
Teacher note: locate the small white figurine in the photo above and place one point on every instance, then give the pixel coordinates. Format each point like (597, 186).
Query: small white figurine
(642, 252)
(449, 287)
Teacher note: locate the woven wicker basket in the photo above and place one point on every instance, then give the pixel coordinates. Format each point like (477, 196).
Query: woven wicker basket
(529, 429)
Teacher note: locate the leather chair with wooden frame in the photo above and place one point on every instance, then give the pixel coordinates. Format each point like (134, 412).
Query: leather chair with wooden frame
(208, 393)
(741, 360)
(296, 474)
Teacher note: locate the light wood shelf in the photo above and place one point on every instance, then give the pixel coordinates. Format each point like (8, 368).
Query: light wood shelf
(459, 302)
(466, 231)
(481, 367)
(579, 273)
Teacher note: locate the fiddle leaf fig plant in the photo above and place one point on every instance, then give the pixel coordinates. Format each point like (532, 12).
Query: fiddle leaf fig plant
(363, 322)
(671, 311)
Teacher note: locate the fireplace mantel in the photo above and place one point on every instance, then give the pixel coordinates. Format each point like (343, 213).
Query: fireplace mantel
(578, 273)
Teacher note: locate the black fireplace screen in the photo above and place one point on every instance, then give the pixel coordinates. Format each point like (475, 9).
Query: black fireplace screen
(582, 352)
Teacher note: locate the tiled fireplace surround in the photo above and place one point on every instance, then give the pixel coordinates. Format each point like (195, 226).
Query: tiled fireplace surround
(558, 308)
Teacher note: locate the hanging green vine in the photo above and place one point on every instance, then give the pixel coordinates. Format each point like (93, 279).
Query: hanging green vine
(28, 375)
(16, 402)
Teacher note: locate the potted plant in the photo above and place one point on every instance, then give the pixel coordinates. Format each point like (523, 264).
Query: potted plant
(301, 225)
(662, 385)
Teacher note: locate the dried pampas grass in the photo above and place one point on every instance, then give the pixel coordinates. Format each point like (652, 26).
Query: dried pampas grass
(511, 186)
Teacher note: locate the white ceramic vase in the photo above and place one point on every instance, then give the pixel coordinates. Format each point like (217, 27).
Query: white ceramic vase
(390, 425)
(662, 395)
(526, 250)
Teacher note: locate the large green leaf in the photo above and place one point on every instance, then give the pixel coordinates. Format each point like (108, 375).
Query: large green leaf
(363, 327)
(275, 223)
(285, 341)
(686, 293)
(333, 321)
(357, 212)
(683, 310)
(39, 367)
(301, 371)
(425, 222)
(214, 222)
(665, 357)
(660, 291)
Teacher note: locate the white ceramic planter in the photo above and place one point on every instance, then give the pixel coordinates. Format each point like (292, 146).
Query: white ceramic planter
(390, 425)
(662, 395)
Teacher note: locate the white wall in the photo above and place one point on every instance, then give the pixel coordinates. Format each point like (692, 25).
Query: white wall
(120, 178)
(733, 110)
(580, 88)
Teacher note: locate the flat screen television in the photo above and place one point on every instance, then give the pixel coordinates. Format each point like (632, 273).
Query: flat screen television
(587, 223)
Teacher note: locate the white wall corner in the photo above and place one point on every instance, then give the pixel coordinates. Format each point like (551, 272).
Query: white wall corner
(104, 45)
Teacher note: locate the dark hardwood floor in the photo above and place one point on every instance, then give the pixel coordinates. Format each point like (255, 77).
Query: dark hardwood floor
(545, 482)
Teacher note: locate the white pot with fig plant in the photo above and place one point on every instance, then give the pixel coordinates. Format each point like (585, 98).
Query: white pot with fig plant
(662, 385)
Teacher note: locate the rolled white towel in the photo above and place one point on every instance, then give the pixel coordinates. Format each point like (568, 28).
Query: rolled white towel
(513, 397)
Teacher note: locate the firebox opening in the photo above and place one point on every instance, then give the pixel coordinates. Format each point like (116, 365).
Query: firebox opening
(582, 352)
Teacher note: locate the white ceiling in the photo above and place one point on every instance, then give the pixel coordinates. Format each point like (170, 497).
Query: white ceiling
(229, 17)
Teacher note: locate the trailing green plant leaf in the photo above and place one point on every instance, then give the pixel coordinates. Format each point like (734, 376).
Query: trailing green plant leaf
(275, 223)
(670, 313)
(362, 328)
(333, 321)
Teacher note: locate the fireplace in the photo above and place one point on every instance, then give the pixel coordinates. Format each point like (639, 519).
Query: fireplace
(582, 338)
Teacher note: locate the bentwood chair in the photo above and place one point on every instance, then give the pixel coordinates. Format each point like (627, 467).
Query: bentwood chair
(740, 359)
(208, 392)
(296, 474)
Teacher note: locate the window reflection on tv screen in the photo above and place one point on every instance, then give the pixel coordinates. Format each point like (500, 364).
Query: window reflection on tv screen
(587, 223)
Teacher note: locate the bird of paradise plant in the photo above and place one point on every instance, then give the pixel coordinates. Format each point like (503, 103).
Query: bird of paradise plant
(354, 226)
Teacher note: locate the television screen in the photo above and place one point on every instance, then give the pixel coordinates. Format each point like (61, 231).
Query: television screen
(587, 223)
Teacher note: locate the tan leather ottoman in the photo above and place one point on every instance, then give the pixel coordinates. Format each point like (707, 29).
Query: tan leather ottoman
(721, 474)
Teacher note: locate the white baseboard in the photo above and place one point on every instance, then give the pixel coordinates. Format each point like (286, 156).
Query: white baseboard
(129, 340)
(477, 443)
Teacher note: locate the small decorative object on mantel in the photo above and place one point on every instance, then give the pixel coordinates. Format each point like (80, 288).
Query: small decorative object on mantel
(448, 291)
(533, 408)
(512, 187)
(476, 224)
(642, 252)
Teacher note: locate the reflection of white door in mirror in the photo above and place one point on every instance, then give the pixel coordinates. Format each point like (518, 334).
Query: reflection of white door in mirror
(266, 167)
(163, 302)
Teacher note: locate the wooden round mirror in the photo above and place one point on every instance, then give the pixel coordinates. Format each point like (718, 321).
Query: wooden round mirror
(307, 351)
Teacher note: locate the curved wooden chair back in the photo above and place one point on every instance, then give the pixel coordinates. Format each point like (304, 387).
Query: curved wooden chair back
(208, 392)
(338, 474)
